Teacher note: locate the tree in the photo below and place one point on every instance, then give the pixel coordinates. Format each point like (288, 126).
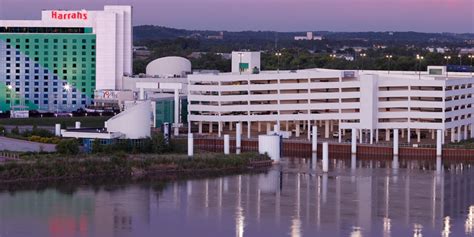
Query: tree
(68, 147)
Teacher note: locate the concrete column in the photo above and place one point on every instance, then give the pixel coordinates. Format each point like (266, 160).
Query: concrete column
(78, 125)
(409, 135)
(331, 125)
(176, 112)
(57, 130)
(269, 127)
(325, 157)
(210, 127)
(314, 143)
(343, 132)
(219, 129)
(472, 130)
(432, 134)
(230, 126)
(326, 129)
(459, 134)
(238, 137)
(309, 130)
(226, 144)
(443, 137)
(418, 135)
(249, 129)
(465, 133)
(361, 135)
(354, 141)
(452, 134)
(304, 124)
(403, 133)
(200, 127)
(439, 146)
(395, 142)
(287, 126)
(297, 129)
(141, 95)
(340, 135)
(190, 145)
(259, 126)
(377, 135)
(371, 136)
(387, 135)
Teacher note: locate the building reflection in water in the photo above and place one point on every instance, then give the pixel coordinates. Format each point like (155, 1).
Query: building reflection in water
(394, 197)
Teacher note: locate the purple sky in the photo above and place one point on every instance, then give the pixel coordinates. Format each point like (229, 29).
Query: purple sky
(280, 15)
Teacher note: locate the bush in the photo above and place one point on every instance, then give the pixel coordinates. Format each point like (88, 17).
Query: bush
(68, 147)
(15, 131)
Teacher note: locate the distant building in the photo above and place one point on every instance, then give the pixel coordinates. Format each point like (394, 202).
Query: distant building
(220, 36)
(309, 36)
(464, 51)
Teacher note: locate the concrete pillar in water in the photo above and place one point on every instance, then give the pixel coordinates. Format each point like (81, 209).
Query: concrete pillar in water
(297, 129)
(57, 130)
(190, 145)
(314, 143)
(439, 146)
(238, 137)
(325, 157)
(354, 141)
(326, 129)
(395, 142)
(226, 144)
(78, 125)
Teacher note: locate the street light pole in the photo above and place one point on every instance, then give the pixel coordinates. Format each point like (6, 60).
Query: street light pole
(389, 57)
(471, 57)
(447, 58)
(362, 55)
(419, 59)
(460, 59)
(278, 54)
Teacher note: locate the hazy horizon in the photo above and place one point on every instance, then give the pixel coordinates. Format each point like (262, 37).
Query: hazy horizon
(427, 16)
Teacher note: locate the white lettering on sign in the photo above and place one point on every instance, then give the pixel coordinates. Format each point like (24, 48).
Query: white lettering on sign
(59, 15)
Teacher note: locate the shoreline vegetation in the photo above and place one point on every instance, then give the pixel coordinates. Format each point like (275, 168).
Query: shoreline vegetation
(56, 167)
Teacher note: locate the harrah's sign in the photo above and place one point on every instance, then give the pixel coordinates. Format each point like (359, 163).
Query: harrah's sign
(68, 15)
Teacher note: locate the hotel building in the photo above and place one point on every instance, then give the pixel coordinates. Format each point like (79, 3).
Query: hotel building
(373, 102)
(56, 63)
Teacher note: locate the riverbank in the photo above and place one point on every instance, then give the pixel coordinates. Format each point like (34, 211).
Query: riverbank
(53, 167)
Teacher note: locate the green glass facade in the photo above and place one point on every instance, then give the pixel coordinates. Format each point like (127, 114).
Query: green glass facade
(165, 111)
(38, 66)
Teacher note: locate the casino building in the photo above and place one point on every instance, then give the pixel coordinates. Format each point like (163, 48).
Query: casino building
(56, 63)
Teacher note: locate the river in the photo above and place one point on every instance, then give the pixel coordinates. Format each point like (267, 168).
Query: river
(356, 198)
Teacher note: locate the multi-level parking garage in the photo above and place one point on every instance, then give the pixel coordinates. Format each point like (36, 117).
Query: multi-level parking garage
(373, 102)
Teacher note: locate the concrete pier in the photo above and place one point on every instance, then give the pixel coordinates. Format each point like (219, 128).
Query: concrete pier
(325, 157)
(226, 144)
(395, 142)
(190, 145)
(238, 137)
(314, 143)
(354, 141)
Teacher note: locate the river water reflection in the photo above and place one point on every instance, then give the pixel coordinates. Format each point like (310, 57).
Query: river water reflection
(356, 198)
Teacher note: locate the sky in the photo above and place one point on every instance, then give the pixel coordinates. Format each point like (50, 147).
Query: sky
(455, 16)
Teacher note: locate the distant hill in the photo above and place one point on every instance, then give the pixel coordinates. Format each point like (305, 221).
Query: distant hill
(150, 32)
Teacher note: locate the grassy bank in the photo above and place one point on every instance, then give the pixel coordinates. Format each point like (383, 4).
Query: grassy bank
(55, 167)
(51, 121)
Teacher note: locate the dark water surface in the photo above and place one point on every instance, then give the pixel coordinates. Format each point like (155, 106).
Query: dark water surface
(367, 198)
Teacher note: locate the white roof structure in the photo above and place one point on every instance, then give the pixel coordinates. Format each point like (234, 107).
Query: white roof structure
(169, 67)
